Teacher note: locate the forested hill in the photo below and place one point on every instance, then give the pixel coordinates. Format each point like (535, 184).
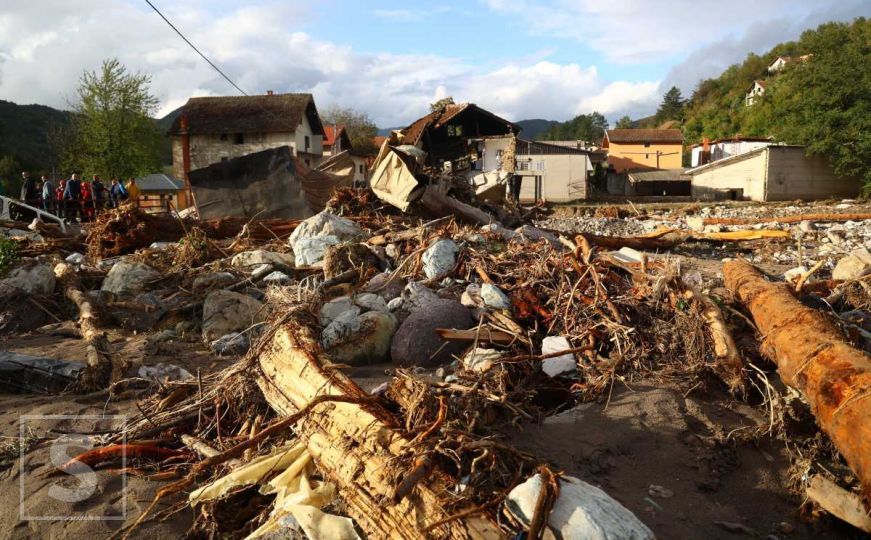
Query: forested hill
(24, 132)
(820, 99)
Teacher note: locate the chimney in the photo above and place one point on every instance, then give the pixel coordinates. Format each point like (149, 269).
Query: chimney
(269, 92)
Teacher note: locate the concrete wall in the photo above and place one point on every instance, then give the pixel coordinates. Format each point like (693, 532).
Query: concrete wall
(747, 174)
(563, 179)
(361, 173)
(793, 175)
(638, 156)
(776, 173)
(726, 149)
(491, 153)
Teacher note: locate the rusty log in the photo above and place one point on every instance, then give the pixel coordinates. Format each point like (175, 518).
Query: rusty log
(357, 446)
(813, 357)
(786, 219)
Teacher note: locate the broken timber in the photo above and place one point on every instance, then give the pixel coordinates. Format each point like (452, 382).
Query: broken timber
(786, 219)
(813, 357)
(356, 446)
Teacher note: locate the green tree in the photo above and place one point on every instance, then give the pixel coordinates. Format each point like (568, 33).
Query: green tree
(361, 129)
(672, 106)
(10, 176)
(624, 122)
(585, 127)
(112, 132)
(824, 101)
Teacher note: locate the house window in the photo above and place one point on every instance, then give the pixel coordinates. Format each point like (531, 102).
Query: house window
(223, 136)
(239, 138)
(646, 156)
(455, 131)
(306, 142)
(647, 145)
(360, 167)
(307, 162)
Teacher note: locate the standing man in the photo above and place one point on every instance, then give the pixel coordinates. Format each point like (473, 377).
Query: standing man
(133, 191)
(98, 192)
(47, 195)
(73, 197)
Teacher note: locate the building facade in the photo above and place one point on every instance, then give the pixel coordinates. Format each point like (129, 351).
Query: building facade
(631, 149)
(771, 173)
(209, 130)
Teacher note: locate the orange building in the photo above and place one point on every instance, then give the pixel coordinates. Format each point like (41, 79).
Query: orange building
(632, 149)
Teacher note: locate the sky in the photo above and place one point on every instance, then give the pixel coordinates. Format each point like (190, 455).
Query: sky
(551, 59)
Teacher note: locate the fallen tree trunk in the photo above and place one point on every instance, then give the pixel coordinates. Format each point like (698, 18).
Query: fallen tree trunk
(813, 357)
(439, 204)
(729, 365)
(786, 219)
(357, 446)
(100, 370)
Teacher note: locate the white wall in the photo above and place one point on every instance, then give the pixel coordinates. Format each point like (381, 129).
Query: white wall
(492, 147)
(793, 175)
(747, 173)
(725, 149)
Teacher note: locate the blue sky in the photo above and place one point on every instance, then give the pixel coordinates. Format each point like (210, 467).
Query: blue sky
(549, 59)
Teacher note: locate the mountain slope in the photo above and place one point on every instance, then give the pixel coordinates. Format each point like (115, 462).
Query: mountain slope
(24, 133)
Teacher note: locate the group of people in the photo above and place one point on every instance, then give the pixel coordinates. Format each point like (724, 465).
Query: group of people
(74, 199)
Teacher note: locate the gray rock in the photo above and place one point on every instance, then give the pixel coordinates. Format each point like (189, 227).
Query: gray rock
(185, 328)
(75, 258)
(494, 228)
(395, 304)
(416, 343)
(216, 280)
(471, 297)
(325, 224)
(276, 278)
(128, 278)
(440, 258)
(417, 295)
(331, 310)
(493, 297)
(260, 256)
(161, 245)
(32, 279)
(234, 344)
(528, 232)
(392, 290)
(370, 302)
(225, 312)
(311, 251)
(807, 226)
(341, 328)
(854, 265)
(369, 343)
(17, 315)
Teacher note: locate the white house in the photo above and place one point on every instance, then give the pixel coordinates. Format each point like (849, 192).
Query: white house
(756, 91)
(709, 151)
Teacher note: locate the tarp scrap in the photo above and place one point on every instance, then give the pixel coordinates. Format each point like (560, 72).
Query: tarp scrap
(298, 498)
(392, 180)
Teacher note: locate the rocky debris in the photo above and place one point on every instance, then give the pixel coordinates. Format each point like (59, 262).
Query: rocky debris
(534, 234)
(370, 302)
(854, 265)
(493, 297)
(311, 239)
(347, 256)
(360, 339)
(383, 286)
(416, 342)
(75, 258)
(311, 251)
(226, 312)
(440, 258)
(214, 280)
(495, 228)
(581, 510)
(163, 373)
(562, 365)
(276, 278)
(233, 344)
(128, 278)
(35, 278)
(416, 295)
(17, 313)
(260, 256)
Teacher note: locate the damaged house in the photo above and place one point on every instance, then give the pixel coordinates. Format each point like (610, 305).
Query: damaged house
(209, 130)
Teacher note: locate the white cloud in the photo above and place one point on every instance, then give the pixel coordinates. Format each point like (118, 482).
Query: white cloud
(259, 55)
(410, 15)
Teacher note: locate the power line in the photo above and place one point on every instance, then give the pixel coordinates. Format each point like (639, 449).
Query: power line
(186, 40)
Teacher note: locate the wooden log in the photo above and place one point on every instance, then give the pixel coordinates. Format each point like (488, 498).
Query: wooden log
(634, 242)
(813, 357)
(100, 370)
(838, 502)
(787, 219)
(357, 447)
(439, 204)
(729, 365)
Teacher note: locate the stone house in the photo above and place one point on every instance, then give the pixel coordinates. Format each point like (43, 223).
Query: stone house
(209, 130)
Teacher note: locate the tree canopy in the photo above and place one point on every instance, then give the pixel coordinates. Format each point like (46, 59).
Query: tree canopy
(672, 106)
(624, 122)
(361, 129)
(585, 127)
(111, 132)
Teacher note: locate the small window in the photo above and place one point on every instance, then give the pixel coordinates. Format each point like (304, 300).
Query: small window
(646, 156)
(239, 138)
(306, 142)
(307, 162)
(647, 145)
(455, 131)
(361, 169)
(223, 136)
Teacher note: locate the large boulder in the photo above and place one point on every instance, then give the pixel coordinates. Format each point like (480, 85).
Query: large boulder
(128, 278)
(326, 224)
(364, 339)
(854, 265)
(311, 251)
(261, 256)
(440, 258)
(225, 312)
(416, 343)
(32, 278)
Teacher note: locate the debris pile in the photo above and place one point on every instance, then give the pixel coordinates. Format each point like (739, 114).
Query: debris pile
(477, 331)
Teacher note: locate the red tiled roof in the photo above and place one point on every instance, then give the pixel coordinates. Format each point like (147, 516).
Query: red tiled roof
(269, 113)
(330, 132)
(644, 135)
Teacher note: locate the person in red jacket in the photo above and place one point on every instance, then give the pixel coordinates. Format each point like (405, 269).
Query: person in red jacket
(87, 202)
(59, 199)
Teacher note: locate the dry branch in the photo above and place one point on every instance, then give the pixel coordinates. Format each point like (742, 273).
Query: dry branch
(813, 357)
(786, 219)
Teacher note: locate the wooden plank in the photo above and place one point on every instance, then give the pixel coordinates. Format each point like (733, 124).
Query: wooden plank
(839, 502)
